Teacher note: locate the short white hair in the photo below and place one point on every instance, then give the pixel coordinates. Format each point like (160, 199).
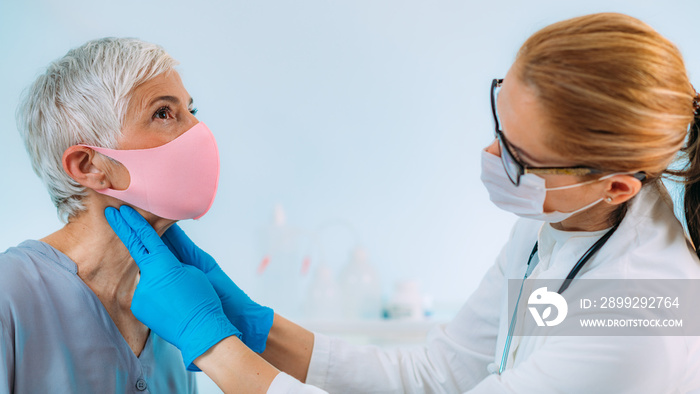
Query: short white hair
(82, 98)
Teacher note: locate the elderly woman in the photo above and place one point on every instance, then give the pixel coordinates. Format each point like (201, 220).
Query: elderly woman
(65, 318)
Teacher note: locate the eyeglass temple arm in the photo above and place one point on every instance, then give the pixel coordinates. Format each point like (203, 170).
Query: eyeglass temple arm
(640, 175)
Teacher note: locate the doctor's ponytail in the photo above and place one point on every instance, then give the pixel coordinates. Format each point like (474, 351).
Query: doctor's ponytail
(690, 176)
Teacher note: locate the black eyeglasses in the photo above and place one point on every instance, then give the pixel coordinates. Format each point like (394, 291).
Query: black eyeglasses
(514, 168)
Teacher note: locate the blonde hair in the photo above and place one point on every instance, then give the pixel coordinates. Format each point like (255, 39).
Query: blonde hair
(618, 94)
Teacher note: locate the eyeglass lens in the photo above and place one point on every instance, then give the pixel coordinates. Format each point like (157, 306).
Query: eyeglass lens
(512, 166)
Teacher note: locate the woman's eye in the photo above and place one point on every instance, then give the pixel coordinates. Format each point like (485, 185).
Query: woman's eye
(162, 113)
(194, 111)
(523, 162)
(520, 159)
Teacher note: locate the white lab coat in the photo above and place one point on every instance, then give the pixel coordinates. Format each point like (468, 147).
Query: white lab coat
(460, 356)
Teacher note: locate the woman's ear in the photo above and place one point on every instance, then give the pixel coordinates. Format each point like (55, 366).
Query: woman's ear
(621, 188)
(83, 165)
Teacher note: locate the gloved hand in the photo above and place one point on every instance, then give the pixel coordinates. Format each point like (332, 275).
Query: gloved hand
(253, 320)
(174, 300)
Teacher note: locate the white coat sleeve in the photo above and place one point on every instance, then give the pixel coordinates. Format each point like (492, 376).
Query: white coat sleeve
(453, 360)
(594, 364)
(285, 384)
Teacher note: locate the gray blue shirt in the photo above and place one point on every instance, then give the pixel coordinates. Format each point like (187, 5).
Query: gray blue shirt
(57, 337)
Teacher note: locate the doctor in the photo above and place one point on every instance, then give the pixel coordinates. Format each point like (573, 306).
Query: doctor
(588, 119)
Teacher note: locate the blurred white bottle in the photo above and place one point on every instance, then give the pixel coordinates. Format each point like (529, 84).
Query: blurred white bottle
(360, 288)
(280, 271)
(322, 300)
(407, 302)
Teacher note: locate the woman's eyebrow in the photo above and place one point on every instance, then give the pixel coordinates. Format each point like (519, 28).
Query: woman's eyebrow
(172, 99)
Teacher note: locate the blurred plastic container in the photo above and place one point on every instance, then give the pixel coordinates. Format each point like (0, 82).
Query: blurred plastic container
(360, 288)
(281, 271)
(407, 302)
(323, 296)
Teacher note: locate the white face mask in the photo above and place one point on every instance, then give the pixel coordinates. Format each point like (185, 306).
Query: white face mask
(527, 199)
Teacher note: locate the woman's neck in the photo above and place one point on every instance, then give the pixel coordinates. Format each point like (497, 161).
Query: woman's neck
(106, 267)
(104, 263)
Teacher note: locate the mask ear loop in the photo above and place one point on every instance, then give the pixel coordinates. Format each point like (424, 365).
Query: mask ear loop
(637, 175)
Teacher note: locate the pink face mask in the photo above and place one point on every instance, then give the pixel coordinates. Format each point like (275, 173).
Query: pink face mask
(174, 181)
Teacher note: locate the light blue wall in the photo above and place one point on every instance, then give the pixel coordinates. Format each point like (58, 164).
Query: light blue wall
(372, 112)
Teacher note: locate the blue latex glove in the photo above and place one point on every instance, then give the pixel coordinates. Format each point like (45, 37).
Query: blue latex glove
(252, 319)
(174, 300)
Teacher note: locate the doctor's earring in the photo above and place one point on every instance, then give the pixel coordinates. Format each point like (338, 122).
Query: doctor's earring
(608, 199)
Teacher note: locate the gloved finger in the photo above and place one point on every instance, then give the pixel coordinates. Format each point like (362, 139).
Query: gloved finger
(186, 250)
(172, 239)
(125, 234)
(142, 229)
